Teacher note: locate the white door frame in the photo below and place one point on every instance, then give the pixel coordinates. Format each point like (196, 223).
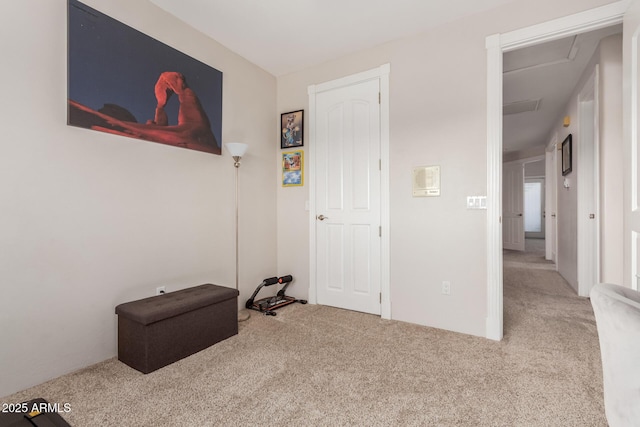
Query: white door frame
(551, 201)
(497, 44)
(382, 74)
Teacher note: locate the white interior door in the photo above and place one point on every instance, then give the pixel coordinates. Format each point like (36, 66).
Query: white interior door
(631, 112)
(587, 148)
(347, 199)
(513, 206)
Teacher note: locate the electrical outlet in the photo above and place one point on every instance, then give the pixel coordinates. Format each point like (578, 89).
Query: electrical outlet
(160, 290)
(446, 288)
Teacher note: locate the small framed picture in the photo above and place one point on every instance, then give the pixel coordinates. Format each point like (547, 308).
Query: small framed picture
(293, 168)
(566, 155)
(291, 125)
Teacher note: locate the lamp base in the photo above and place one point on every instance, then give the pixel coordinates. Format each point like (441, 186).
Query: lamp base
(243, 315)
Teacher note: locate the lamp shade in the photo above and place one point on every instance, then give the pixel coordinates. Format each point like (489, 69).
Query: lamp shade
(236, 148)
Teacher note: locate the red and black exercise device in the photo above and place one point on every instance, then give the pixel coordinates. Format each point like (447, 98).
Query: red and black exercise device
(267, 305)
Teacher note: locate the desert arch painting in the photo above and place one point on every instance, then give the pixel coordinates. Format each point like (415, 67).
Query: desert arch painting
(123, 82)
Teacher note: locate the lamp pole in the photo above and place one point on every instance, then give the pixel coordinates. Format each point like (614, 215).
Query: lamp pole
(237, 166)
(237, 150)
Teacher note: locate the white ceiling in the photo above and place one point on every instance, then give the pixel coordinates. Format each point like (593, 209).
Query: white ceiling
(549, 73)
(287, 36)
(283, 36)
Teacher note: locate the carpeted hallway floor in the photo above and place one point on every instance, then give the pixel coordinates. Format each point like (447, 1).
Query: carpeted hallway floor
(316, 365)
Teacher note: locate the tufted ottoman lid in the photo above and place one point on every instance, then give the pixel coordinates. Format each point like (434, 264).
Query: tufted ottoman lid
(154, 309)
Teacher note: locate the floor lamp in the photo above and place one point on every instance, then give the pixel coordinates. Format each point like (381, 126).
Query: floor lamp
(237, 150)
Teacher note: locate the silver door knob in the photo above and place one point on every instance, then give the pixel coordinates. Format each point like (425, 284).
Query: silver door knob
(322, 217)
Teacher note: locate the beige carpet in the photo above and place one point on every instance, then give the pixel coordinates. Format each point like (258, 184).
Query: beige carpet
(533, 257)
(315, 365)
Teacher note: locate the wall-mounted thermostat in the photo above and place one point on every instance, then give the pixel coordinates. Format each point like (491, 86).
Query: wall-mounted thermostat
(426, 181)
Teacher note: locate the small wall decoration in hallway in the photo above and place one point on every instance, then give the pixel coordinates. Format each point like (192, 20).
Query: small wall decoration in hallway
(292, 168)
(566, 155)
(121, 81)
(291, 125)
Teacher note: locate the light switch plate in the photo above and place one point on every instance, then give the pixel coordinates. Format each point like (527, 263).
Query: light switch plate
(476, 202)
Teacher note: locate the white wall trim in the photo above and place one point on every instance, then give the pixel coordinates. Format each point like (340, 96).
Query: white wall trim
(311, 180)
(631, 126)
(494, 320)
(551, 202)
(553, 143)
(382, 74)
(363, 76)
(634, 255)
(385, 255)
(496, 45)
(589, 20)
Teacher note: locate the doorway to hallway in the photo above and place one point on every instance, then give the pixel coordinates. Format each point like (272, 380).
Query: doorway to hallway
(497, 45)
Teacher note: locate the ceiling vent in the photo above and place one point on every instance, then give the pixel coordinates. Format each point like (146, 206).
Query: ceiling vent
(521, 107)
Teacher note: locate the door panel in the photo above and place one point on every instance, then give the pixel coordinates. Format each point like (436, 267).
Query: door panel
(361, 160)
(333, 125)
(348, 197)
(334, 256)
(361, 259)
(513, 206)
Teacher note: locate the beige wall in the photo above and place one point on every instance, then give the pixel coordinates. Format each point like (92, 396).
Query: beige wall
(534, 169)
(567, 201)
(526, 153)
(438, 117)
(91, 220)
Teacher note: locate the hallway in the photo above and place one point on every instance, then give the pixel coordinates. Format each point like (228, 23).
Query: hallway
(532, 257)
(535, 292)
(546, 319)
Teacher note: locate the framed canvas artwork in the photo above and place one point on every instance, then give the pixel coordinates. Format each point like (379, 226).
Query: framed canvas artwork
(566, 155)
(292, 168)
(292, 126)
(123, 82)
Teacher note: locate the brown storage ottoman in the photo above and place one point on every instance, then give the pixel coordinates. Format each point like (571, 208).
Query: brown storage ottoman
(157, 331)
